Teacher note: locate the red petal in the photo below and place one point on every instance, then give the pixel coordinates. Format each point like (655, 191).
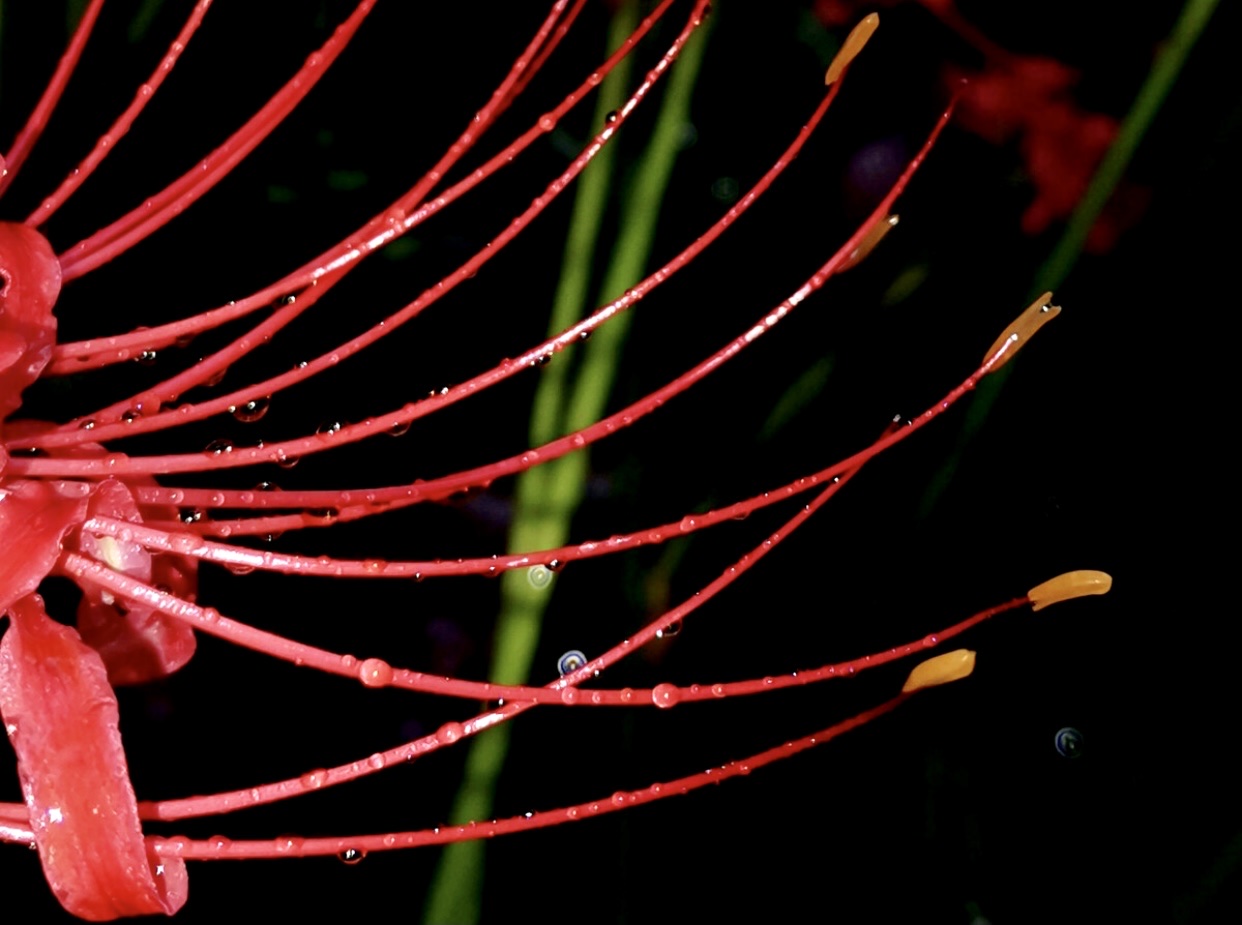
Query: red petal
(29, 284)
(137, 642)
(33, 518)
(61, 716)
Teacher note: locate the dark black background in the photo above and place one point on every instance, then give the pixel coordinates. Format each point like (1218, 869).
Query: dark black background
(1105, 451)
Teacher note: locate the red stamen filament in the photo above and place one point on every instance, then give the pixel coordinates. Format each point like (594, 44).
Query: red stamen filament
(121, 126)
(118, 464)
(158, 210)
(26, 138)
(401, 216)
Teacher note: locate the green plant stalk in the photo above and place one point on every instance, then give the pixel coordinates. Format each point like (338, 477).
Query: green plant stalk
(547, 497)
(1176, 48)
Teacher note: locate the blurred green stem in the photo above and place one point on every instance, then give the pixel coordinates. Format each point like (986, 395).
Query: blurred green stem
(546, 497)
(1173, 53)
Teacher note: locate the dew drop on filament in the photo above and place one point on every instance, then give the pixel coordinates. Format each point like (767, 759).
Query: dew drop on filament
(671, 630)
(665, 695)
(250, 411)
(539, 576)
(328, 429)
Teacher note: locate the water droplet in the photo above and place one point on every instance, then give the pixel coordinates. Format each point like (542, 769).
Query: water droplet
(146, 358)
(328, 429)
(313, 780)
(375, 672)
(130, 415)
(671, 630)
(571, 661)
(665, 696)
(1069, 742)
(930, 640)
(449, 733)
(286, 844)
(88, 424)
(251, 411)
(352, 855)
(191, 515)
(219, 447)
(612, 117)
(399, 429)
(322, 515)
(539, 576)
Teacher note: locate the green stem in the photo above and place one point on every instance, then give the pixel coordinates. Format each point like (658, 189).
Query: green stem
(547, 497)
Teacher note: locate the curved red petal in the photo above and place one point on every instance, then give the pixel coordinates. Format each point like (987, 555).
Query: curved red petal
(29, 284)
(61, 716)
(33, 518)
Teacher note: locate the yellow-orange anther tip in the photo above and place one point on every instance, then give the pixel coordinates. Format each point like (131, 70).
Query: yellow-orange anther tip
(853, 44)
(1037, 314)
(951, 666)
(875, 234)
(1069, 586)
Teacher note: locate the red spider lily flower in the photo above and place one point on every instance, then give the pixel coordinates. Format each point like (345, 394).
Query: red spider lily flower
(129, 529)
